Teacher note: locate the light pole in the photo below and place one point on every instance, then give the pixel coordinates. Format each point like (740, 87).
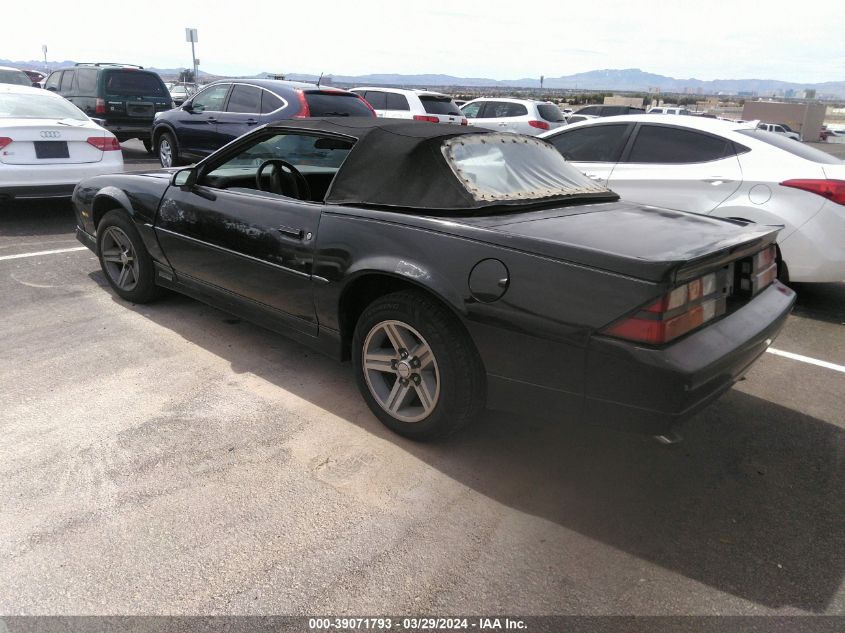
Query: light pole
(191, 36)
(44, 50)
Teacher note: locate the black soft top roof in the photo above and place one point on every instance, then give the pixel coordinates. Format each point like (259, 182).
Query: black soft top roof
(394, 162)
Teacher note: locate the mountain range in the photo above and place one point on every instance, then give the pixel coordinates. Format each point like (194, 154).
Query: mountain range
(626, 80)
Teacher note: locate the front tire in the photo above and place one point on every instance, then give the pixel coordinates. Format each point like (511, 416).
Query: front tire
(124, 259)
(167, 151)
(416, 366)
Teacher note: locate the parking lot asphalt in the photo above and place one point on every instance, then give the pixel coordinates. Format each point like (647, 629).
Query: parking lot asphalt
(171, 459)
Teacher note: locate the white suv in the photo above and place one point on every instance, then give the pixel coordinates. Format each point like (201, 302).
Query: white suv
(668, 110)
(419, 105)
(522, 116)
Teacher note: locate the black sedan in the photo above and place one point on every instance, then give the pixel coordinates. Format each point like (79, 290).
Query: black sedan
(456, 268)
(226, 109)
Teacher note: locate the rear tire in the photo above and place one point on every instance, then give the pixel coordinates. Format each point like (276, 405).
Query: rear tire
(168, 151)
(124, 259)
(417, 367)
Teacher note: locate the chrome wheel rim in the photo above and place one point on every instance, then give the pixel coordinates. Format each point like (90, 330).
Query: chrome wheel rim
(401, 371)
(119, 258)
(165, 152)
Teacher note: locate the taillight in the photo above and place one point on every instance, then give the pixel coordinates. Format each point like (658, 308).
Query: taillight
(464, 121)
(100, 107)
(757, 272)
(680, 311)
(425, 117)
(304, 111)
(4, 140)
(104, 143)
(831, 189)
(367, 103)
(540, 125)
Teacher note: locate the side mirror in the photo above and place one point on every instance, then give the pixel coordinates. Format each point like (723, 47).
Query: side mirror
(184, 178)
(35, 84)
(187, 106)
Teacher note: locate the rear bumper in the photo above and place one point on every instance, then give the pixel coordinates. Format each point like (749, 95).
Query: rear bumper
(130, 129)
(648, 390)
(815, 252)
(35, 192)
(53, 181)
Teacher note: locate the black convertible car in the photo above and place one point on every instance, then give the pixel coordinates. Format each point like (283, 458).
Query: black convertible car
(455, 267)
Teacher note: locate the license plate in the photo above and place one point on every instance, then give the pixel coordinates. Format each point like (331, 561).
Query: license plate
(137, 109)
(51, 149)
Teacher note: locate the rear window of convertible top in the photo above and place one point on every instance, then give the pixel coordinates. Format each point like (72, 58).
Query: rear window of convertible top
(514, 167)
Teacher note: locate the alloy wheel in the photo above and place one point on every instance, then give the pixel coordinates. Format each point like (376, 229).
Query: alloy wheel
(119, 258)
(401, 371)
(165, 152)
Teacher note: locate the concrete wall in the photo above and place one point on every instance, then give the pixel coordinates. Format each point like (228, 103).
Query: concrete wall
(804, 118)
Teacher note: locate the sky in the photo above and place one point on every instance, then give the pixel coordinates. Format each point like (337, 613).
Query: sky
(704, 39)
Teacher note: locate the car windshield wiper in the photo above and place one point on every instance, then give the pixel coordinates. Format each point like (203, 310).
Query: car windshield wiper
(335, 114)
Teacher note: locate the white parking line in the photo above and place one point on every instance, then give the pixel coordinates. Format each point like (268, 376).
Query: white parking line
(58, 250)
(807, 359)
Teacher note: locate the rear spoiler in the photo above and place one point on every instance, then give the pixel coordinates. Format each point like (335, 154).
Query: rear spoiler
(702, 265)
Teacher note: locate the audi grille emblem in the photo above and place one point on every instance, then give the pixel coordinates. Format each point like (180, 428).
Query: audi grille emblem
(50, 134)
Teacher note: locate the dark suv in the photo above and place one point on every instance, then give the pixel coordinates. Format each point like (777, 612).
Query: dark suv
(226, 109)
(122, 97)
(610, 110)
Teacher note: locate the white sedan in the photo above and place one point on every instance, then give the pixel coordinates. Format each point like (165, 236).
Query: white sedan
(725, 169)
(47, 145)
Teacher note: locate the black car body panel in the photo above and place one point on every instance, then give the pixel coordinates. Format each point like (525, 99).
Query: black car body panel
(570, 269)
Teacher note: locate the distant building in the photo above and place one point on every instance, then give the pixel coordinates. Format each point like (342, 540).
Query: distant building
(804, 118)
(636, 102)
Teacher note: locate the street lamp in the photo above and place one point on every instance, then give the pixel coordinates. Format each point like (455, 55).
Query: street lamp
(191, 36)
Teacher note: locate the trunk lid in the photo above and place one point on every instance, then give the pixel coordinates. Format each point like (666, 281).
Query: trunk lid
(134, 95)
(633, 240)
(49, 142)
(441, 107)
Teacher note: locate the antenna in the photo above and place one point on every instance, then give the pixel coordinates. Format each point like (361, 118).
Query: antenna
(319, 79)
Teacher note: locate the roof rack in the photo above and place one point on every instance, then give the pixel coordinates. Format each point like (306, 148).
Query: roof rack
(108, 64)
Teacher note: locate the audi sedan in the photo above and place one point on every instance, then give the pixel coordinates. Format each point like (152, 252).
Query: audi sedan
(723, 169)
(456, 268)
(47, 145)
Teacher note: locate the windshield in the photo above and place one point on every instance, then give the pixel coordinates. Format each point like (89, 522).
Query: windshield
(38, 106)
(514, 167)
(134, 83)
(439, 105)
(550, 112)
(16, 77)
(336, 104)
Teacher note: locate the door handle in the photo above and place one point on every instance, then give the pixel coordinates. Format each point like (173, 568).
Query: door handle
(251, 121)
(716, 180)
(291, 232)
(211, 119)
(593, 176)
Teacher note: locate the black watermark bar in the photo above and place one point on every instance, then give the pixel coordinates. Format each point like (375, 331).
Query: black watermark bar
(491, 623)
